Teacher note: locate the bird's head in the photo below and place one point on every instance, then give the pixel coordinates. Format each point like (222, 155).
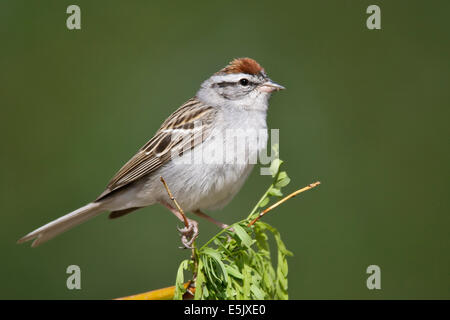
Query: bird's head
(242, 83)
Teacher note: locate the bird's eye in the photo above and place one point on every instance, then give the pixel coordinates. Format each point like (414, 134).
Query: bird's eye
(244, 82)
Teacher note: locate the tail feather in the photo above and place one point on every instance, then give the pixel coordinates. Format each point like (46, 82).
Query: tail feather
(62, 224)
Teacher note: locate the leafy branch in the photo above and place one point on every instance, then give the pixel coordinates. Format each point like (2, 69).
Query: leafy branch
(236, 263)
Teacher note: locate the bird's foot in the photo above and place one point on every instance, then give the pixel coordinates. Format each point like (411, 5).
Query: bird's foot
(189, 234)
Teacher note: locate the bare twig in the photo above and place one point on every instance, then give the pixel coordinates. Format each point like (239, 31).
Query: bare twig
(185, 220)
(293, 194)
(162, 294)
(186, 224)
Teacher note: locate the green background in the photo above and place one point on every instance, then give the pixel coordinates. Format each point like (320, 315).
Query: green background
(365, 112)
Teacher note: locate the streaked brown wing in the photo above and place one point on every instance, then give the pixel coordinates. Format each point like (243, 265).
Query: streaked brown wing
(180, 132)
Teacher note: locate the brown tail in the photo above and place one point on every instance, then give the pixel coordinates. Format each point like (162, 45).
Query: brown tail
(62, 224)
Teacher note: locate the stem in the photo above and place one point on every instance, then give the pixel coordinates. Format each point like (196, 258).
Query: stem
(293, 194)
(312, 185)
(218, 234)
(185, 220)
(186, 223)
(257, 205)
(264, 196)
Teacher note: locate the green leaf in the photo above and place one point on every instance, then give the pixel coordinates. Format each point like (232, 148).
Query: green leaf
(275, 192)
(259, 295)
(282, 175)
(212, 253)
(230, 292)
(264, 202)
(243, 235)
(238, 289)
(216, 258)
(281, 293)
(210, 269)
(205, 292)
(233, 271)
(275, 166)
(200, 281)
(268, 279)
(282, 180)
(246, 282)
(282, 280)
(179, 284)
(283, 264)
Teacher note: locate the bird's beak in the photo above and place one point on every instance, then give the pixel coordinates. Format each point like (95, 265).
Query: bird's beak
(270, 86)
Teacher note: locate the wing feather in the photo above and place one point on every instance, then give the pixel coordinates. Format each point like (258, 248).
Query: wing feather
(179, 133)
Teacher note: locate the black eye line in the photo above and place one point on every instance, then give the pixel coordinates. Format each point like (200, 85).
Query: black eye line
(229, 83)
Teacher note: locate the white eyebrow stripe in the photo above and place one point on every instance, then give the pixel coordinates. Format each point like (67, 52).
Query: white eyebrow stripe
(234, 77)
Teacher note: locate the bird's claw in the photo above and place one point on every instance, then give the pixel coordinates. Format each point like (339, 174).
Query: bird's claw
(189, 234)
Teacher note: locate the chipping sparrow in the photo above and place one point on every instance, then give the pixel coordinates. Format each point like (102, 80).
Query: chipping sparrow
(235, 97)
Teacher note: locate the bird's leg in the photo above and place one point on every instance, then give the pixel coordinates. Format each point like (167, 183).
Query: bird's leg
(210, 219)
(189, 233)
